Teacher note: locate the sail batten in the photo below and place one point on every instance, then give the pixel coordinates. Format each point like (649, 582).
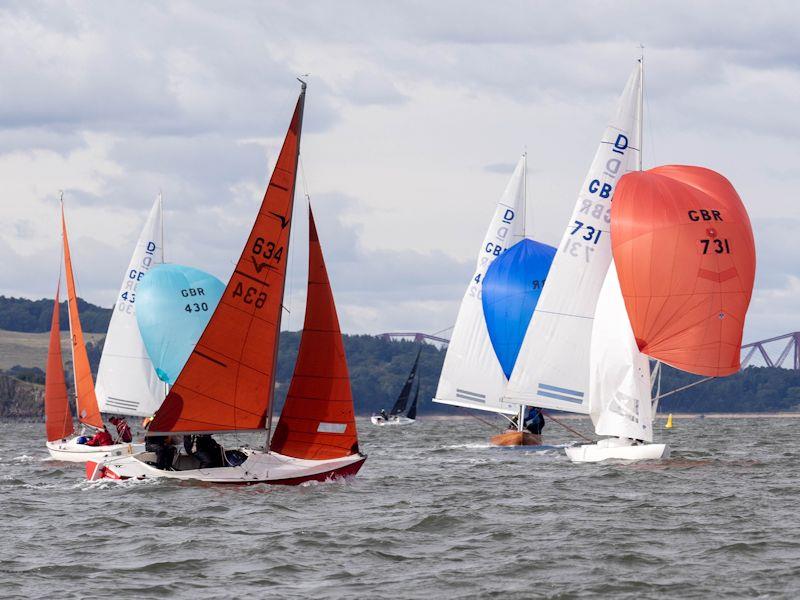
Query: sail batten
(227, 380)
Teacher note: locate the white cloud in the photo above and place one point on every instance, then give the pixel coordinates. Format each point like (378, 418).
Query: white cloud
(415, 113)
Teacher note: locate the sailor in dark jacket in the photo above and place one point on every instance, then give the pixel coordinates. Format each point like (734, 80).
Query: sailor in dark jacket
(534, 422)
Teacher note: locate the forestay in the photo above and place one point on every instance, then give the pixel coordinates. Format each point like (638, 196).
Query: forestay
(472, 376)
(126, 381)
(619, 376)
(552, 369)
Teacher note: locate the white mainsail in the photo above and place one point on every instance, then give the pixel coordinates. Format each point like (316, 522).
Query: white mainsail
(472, 376)
(126, 381)
(552, 369)
(619, 377)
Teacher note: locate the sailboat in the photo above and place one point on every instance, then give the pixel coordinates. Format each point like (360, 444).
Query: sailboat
(684, 270)
(482, 348)
(395, 416)
(227, 384)
(127, 383)
(69, 448)
(552, 367)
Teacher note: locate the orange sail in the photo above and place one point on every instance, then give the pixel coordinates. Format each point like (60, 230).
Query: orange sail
(683, 249)
(88, 413)
(57, 415)
(317, 421)
(227, 382)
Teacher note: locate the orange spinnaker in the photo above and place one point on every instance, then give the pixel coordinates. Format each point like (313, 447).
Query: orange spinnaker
(226, 384)
(85, 399)
(57, 415)
(317, 421)
(683, 249)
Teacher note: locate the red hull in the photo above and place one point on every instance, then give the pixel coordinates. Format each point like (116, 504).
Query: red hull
(347, 471)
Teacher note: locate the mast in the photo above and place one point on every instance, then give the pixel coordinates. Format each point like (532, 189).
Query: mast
(271, 409)
(524, 193)
(521, 411)
(161, 217)
(640, 110)
(163, 258)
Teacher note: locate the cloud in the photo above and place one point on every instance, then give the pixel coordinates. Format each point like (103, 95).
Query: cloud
(412, 125)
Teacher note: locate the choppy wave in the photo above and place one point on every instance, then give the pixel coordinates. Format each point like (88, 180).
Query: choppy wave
(435, 513)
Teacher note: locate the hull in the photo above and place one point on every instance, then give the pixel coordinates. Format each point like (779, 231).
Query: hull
(71, 451)
(516, 438)
(395, 420)
(259, 467)
(617, 449)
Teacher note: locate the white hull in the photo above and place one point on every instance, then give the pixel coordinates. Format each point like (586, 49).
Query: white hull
(71, 451)
(394, 420)
(260, 467)
(617, 449)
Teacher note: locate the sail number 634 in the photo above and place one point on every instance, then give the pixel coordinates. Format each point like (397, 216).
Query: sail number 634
(267, 249)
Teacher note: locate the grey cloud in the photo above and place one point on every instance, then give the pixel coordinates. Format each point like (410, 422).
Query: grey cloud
(502, 168)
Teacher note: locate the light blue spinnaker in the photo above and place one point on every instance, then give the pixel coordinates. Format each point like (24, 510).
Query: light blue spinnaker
(511, 289)
(173, 306)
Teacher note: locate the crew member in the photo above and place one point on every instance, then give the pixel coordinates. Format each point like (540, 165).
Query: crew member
(534, 422)
(163, 446)
(123, 429)
(101, 438)
(205, 449)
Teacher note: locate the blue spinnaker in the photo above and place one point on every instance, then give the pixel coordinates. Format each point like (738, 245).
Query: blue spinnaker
(173, 306)
(511, 289)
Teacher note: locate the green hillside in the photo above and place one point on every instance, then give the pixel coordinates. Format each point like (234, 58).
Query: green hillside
(33, 316)
(378, 368)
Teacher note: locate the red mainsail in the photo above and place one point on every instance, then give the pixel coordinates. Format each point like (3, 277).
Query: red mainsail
(227, 382)
(57, 415)
(683, 249)
(317, 421)
(85, 399)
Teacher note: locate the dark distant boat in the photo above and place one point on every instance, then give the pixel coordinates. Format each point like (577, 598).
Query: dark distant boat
(396, 416)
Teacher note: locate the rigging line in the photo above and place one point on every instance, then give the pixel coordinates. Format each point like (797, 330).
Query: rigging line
(685, 387)
(565, 426)
(482, 420)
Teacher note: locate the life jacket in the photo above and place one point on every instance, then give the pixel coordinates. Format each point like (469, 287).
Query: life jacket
(101, 438)
(124, 431)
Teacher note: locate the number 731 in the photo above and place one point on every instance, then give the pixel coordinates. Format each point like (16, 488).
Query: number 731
(592, 234)
(717, 246)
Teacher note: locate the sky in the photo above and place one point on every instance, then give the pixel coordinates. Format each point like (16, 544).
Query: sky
(415, 116)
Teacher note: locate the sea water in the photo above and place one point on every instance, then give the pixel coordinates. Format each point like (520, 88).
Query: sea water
(434, 513)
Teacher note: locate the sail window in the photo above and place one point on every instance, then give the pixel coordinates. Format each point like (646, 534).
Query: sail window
(331, 427)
